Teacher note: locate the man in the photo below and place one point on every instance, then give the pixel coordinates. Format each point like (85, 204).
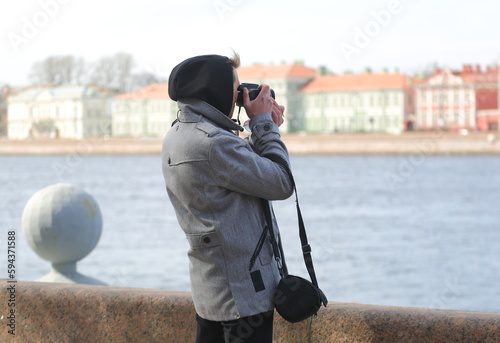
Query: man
(215, 181)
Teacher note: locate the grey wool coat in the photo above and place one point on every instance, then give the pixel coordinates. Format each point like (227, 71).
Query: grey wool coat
(215, 180)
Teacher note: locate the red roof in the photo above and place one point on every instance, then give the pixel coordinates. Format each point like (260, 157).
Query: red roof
(470, 74)
(259, 71)
(491, 75)
(353, 82)
(154, 91)
(485, 83)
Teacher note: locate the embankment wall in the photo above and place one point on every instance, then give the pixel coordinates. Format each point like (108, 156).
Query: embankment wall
(51, 312)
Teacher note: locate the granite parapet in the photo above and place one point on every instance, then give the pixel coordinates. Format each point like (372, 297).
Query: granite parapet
(53, 312)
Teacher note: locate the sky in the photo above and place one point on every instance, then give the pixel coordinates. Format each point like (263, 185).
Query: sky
(405, 35)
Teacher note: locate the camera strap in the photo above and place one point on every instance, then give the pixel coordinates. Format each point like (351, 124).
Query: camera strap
(277, 247)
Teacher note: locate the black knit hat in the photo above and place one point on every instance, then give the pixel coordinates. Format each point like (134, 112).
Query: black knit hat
(208, 78)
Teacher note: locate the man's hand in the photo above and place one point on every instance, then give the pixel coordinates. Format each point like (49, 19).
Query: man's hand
(263, 103)
(278, 113)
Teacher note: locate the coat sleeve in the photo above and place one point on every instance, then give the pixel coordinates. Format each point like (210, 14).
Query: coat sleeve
(262, 171)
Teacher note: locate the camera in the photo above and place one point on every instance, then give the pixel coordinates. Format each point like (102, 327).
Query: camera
(253, 92)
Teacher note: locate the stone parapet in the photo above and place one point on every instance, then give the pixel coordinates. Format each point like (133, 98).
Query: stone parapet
(51, 312)
(57, 312)
(357, 323)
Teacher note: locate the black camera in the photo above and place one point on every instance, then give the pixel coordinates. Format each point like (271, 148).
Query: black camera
(253, 92)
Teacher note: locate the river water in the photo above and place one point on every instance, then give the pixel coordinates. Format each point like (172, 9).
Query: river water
(402, 230)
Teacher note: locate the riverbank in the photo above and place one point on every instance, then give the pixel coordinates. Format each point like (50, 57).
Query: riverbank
(405, 143)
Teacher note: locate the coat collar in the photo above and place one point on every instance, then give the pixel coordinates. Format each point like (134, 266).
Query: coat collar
(192, 109)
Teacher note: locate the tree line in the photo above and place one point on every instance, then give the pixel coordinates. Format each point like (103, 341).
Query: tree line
(115, 72)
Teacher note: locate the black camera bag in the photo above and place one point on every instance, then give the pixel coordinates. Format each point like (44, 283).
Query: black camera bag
(295, 298)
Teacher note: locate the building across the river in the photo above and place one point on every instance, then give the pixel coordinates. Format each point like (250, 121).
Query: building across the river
(315, 102)
(366, 102)
(66, 111)
(454, 100)
(146, 112)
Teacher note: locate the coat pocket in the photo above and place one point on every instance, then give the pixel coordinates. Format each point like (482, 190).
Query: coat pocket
(266, 254)
(203, 240)
(263, 249)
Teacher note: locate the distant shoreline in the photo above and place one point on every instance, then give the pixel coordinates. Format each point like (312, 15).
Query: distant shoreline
(406, 143)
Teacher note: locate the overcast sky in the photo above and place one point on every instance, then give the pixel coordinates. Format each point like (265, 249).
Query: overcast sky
(410, 35)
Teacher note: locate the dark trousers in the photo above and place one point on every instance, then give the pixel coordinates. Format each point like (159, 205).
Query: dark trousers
(253, 329)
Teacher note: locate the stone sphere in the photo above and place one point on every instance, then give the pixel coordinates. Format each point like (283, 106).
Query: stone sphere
(62, 223)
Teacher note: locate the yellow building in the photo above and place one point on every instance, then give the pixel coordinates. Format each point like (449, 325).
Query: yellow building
(357, 103)
(66, 111)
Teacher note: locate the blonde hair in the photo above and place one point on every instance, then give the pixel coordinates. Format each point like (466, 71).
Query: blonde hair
(235, 60)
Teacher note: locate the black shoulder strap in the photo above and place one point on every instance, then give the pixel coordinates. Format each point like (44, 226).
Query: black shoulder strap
(306, 248)
(279, 256)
